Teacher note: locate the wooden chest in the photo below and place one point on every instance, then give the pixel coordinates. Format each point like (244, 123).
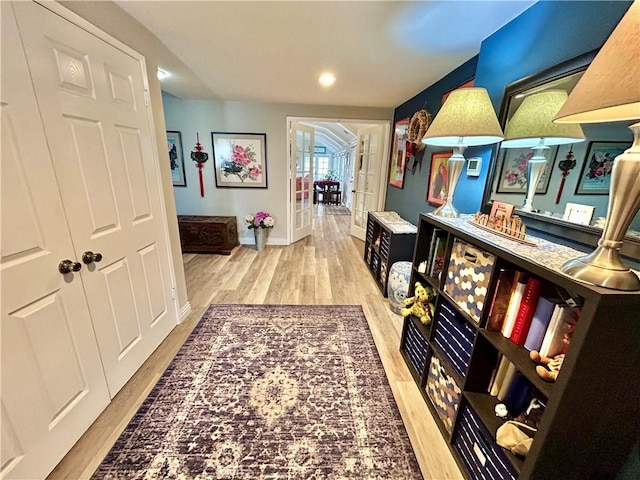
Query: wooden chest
(204, 234)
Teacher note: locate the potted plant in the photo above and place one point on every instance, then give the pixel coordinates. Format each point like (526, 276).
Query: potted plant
(260, 223)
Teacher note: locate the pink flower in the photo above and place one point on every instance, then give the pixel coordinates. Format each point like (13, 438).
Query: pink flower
(254, 172)
(239, 155)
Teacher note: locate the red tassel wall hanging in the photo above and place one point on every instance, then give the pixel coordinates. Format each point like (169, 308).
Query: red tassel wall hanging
(199, 157)
(566, 166)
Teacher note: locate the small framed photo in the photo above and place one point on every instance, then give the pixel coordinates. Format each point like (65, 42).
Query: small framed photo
(399, 153)
(513, 170)
(474, 165)
(502, 210)
(595, 176)
(176, 158)
(577, 213)
(240, 159)
(438, 178)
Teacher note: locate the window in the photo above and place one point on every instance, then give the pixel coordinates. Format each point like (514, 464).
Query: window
(322, 167)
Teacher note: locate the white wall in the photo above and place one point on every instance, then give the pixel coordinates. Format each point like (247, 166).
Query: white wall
(191, 116)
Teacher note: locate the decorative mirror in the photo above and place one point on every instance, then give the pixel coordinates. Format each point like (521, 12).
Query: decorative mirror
(577, 174)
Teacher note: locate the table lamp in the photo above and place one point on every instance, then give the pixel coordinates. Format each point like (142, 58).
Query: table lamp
(609, 91)
(466, 119)
(532, 127)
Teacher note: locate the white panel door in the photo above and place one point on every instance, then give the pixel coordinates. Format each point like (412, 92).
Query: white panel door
(92, 100)
(368, 173)
(301, 164)
(53, 385)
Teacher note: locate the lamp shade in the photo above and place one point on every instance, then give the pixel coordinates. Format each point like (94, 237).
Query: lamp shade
(466, 118)
(609, 90)
(532, 124)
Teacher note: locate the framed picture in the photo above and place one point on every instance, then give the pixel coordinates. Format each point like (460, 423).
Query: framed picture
(438, 175)
(240, 159)
(399, 153)
(595, 176)
(513, 170)
(176, 159)
(577, 213)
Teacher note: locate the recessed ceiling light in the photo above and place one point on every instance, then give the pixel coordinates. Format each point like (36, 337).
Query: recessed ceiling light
(327, 79)
(162, 74)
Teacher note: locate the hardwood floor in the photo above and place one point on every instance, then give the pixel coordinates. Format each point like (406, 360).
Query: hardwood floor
(325, 268)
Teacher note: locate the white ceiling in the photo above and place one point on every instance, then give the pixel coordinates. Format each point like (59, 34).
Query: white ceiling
(382, 52)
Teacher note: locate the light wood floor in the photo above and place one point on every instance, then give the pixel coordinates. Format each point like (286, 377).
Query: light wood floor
(326, 268)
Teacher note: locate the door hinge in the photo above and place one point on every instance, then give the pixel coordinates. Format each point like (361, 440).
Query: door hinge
(173, 293)
(147, 101)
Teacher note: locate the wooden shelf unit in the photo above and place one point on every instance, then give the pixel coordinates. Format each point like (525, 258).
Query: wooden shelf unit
(591, 424)
(388, 239)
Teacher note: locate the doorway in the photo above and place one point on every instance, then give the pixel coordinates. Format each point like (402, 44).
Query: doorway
(348, 156)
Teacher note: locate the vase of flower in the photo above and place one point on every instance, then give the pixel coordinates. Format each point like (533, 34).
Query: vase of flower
(260, 223)
(260, 235)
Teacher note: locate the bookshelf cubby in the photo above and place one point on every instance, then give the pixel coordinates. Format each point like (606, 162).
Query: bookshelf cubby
(388, 239)
(590, 427)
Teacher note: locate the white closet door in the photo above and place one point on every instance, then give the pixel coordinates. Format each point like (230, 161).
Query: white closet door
(92, 101)
(53, 385)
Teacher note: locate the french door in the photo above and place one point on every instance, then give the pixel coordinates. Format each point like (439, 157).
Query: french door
(301, 168)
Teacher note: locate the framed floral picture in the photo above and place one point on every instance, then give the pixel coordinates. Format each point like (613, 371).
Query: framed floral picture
(176, 159)
(595, 176)
(240, 159)
(438, 178)
(513, 170)
(399, 153)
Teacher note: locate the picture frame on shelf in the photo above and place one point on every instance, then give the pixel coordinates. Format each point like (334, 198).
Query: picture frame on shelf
(595, 175)
(513, 170)
(399, 154)
(176, 158)
(578, 213)
(437, 188)
(240, 159)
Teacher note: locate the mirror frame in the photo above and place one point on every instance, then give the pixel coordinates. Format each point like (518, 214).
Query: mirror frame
(566, 231)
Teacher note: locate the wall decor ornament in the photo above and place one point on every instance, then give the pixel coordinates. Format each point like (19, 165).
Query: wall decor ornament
(200, 158)
(595, 176)
(240, 159)
(176, 158)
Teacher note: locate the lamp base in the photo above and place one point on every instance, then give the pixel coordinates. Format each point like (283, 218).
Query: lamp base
(603, 268)
(447, 210)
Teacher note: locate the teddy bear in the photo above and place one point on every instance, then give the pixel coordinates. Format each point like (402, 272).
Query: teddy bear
(548, 368)
(420, 304)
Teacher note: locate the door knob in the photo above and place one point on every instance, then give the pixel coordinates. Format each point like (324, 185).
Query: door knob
(90, 257)
(68, 266)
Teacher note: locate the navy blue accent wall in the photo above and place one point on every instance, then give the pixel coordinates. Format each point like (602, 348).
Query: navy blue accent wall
(548, 33)
(410, 201)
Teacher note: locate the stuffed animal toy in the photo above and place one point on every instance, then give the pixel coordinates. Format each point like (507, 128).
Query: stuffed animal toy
(420, 304)
(549, 367)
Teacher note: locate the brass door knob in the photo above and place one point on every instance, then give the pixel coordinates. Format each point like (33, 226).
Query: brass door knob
(68, 266)
(90, 257)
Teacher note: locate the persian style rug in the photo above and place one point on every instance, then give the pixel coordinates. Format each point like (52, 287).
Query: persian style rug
(336, 210)
(269, 392)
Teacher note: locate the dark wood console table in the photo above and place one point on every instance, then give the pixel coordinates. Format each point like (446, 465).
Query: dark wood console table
(204, 234)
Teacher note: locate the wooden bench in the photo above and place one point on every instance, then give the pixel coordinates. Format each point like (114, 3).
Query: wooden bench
(205, 234)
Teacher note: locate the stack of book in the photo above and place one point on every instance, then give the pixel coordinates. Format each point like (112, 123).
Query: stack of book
(435, 257)
(524, 311)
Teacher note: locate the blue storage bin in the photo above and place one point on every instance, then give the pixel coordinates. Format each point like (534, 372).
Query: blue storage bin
(416, 347)
(454, 337)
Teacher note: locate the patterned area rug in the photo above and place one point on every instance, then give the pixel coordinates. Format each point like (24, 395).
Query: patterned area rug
(336, 210)
(269, 392)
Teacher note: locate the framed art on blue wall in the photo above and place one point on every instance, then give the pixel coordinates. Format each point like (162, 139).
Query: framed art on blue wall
(399, 153)
(176, 158)
(438, 178)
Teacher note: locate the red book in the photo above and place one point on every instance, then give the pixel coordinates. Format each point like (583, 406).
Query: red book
(504, 289)
(526, 311)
